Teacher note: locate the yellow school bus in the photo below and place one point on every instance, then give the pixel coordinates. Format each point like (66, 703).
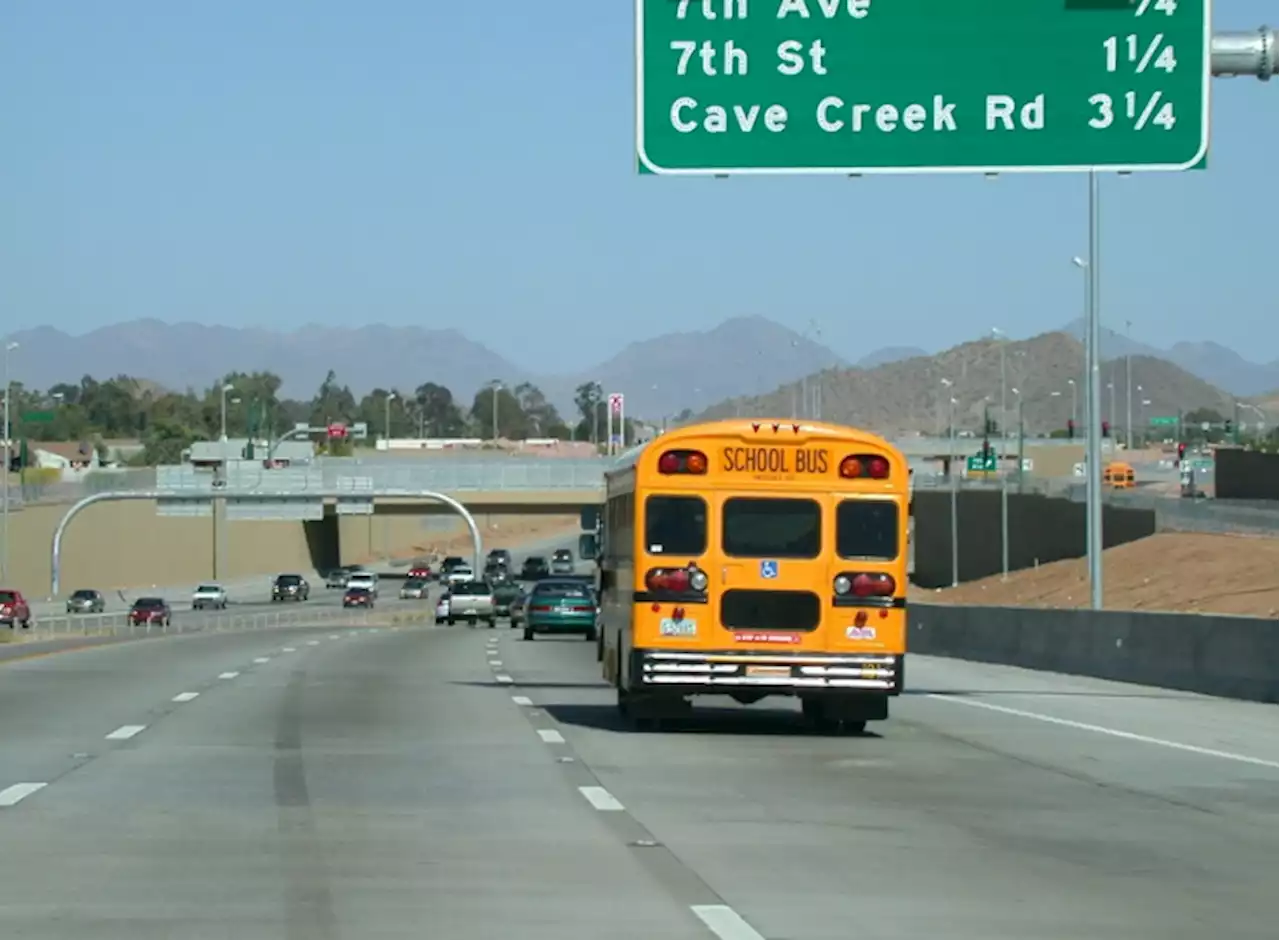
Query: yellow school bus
(751, 558)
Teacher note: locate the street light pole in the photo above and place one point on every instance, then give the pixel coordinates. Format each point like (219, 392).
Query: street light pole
(1093, 457)
(955, 491)
(1004, 469)
(8, 456)
(1128, 387)
(386, 403)
(1075, 418)
(495, 386)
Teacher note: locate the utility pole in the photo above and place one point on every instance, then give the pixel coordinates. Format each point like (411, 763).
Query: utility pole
(955, 499)
(1128, 386)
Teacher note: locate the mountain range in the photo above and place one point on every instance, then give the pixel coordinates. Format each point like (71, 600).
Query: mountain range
(743, 357)
(1041, 378)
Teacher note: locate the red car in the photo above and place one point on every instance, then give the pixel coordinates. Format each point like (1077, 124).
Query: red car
(419, 573)
(147, 610)
(358, 597)
(14, 609)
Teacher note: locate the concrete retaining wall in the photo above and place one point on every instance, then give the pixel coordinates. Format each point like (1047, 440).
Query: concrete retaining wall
(122, 545)
(1230, 657)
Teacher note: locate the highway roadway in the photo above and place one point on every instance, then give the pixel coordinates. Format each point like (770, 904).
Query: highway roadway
(324, 783)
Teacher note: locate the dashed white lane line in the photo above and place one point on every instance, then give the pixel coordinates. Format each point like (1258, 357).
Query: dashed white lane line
(522, 700)
(550, 737)
(313, 642)
(503, 678)
(725, 922)
(185, 696)
(125, 732)
(262, 659)
(1110, 732)
(601, 799)
(12, 796)
(495, 662)
(228, 675)
(289, 649)
(335, 636)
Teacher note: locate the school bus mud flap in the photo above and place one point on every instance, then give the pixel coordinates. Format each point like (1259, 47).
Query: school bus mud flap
(800, 671)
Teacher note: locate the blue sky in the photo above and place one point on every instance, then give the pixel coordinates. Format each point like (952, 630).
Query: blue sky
(470, 164)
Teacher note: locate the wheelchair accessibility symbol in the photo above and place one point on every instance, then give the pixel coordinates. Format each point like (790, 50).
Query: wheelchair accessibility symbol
(768, 569)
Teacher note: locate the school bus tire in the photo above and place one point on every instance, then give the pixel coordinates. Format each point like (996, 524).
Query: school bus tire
(824, 720)
(599, 646)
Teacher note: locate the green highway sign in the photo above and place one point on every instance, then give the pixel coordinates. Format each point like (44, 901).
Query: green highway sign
(921, 86)
(37, 417)
(1164, 421)
(976, 464)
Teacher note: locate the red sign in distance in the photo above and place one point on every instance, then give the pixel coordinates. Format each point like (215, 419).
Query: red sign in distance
(337, 431)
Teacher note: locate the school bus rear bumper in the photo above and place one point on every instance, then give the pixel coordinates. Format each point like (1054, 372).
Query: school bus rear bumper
(694, 671)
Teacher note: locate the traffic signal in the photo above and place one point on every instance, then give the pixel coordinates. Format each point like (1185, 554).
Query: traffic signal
(1071, 429)
(1182, 452)
(1227, 425)
(1106, 428)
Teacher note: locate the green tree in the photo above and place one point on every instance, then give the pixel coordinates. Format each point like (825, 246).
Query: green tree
(589, 400)
(513, 424)
(437, 413)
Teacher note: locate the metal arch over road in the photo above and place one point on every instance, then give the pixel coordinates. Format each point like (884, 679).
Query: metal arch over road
(55, 567)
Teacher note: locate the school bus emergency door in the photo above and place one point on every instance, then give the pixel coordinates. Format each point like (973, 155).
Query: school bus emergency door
(769, 559)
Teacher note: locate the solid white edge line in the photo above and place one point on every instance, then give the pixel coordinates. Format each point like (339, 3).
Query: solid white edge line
(550, 737)
(522, 700)
(228, 675)
(503, 679)
(125, 732)
(601, 799)
(725, 922)
(186, 696)
(13, 795)
(1110, 732)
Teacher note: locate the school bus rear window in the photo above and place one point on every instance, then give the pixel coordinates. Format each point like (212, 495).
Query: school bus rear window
(675, 525)
(867, 529)
(772, 528)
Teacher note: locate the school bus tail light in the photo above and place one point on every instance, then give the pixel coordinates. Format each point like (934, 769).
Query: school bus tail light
(864, 584)
(690, 580)
(864, 467)
(683, 461)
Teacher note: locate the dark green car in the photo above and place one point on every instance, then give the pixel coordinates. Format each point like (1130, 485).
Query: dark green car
(505, 595)
(561, 606)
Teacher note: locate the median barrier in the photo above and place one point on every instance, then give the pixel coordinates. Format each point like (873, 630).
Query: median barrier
(1228, 657)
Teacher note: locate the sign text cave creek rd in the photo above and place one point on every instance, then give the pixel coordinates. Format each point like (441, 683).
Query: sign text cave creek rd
(866, 86)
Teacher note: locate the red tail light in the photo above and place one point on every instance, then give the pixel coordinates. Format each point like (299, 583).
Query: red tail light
(865, 584)
(541, 609)
(865, 467)
(676, 580)
(682, 461)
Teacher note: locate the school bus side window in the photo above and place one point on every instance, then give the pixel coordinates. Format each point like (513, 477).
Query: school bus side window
(675, 525)
(772, 528)
(867, 528)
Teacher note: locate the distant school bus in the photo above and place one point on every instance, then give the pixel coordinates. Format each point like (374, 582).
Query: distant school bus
(756, 558)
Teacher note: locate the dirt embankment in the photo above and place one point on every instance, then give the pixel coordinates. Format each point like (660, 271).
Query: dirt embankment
(1192, 573)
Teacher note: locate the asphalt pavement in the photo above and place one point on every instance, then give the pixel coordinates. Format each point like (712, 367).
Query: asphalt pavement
(324, 783)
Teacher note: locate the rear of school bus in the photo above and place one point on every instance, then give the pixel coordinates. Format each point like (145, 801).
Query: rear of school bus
(769, 558)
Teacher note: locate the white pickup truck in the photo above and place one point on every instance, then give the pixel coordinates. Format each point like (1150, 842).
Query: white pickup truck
(209, 597)
(472, 601)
